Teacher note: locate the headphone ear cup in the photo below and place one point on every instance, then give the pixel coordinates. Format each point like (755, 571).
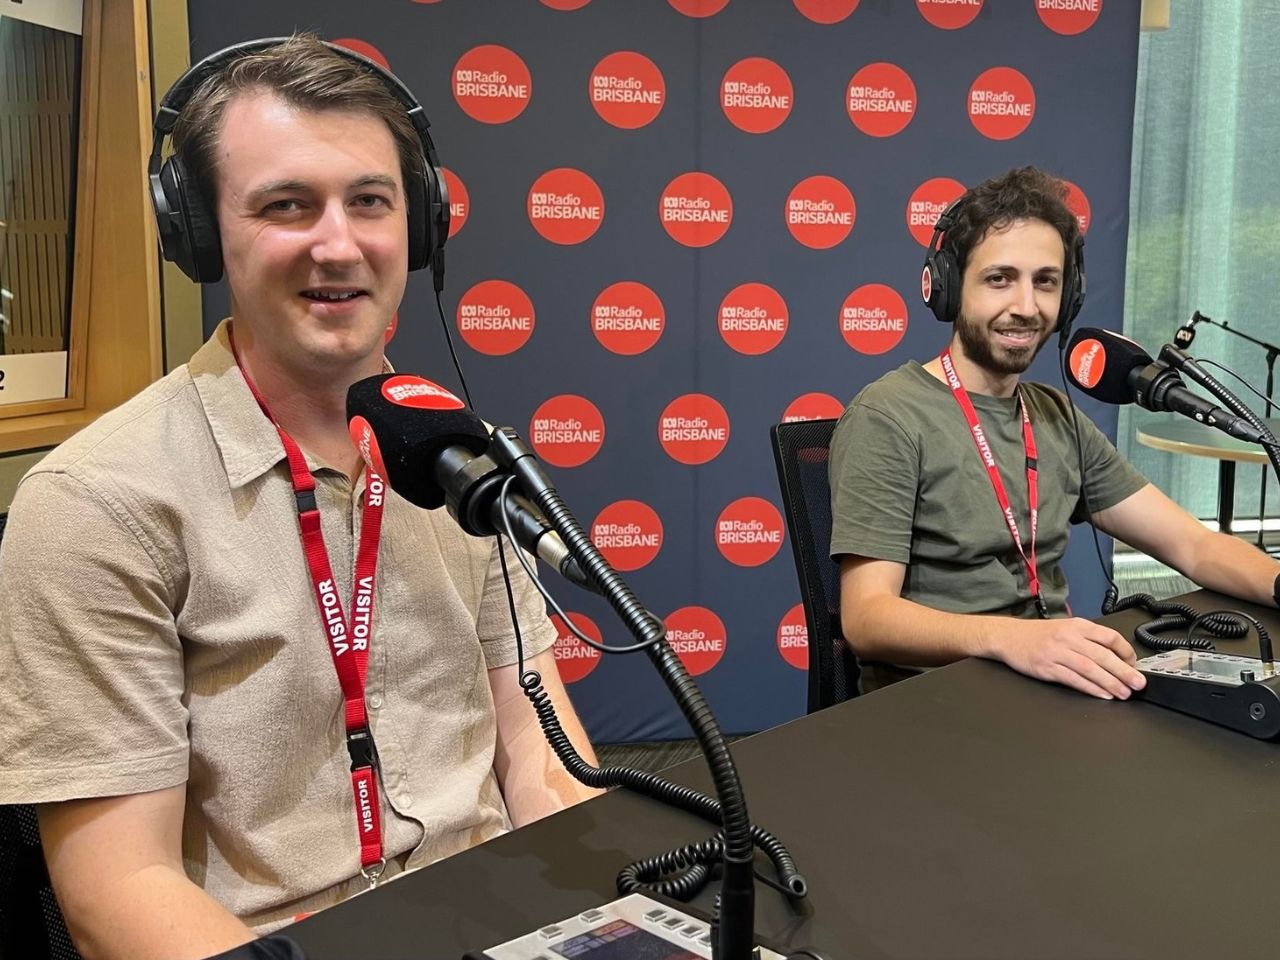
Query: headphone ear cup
(1073, 288)
(422, 240)
(945, 282)
(195, 246)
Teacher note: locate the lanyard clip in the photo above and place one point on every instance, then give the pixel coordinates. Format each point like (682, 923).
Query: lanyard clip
(361, 749)
(373, 872)
(1042, 608)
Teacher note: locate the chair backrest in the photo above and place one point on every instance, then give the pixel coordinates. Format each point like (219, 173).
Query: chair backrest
(31, 924)
(800, 451)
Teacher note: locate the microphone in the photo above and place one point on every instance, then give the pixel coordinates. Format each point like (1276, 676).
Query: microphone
(433, 451)
(1187, 332)
(1114, 369)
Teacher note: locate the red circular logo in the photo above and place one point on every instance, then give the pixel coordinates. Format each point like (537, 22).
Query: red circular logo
(753, 318)
(495, 317)
(628, 533)
(756, 95)
(1078, 204)
(627, 89)
(628, 318)
(693, 429)
(820, 212)
(699, 8)
(793, 638)
(698, 637)
(365, 49)
(826, 11)
(926, 284)
(491, 84)
(574, 659)
(881, 99)
(459, 201)
(749, 532)
(565, 4)
(409, 391)
(873, 319)
(1001, 103)
(927, 204)
(695, 209)
(565, 206)
(813, 406)
(1088, 360)
(567, 430)
(949, 14)
(1069, 18)
(392, 327)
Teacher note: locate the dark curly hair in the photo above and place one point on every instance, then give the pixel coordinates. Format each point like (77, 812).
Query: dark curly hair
(1025, 193)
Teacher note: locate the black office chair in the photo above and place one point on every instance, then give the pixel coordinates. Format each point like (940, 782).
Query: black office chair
(31, 924)
(800, 452)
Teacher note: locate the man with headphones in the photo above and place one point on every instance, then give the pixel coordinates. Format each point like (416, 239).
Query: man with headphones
(223, 723)
(954, 482)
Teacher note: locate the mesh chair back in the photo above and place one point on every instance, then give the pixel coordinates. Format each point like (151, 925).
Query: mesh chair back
(31, 924)
(800, 451)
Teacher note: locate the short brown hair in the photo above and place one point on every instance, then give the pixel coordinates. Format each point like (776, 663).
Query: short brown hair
(1024, 193)
(304, 72)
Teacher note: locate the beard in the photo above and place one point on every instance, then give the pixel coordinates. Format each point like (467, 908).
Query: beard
(979, 346)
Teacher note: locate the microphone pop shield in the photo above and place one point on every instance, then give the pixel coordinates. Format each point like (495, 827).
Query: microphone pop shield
(400, 423)
(1099, 363)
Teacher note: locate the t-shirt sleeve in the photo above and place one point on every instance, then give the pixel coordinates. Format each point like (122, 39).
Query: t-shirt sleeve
(874, 473)
(493, 624)
(1109, 477)
(90, 659)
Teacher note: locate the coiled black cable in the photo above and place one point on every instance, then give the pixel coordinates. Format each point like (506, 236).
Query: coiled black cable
(1172, 615)
(692, 864)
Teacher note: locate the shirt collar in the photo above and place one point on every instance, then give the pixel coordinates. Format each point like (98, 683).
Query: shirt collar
(247, 441)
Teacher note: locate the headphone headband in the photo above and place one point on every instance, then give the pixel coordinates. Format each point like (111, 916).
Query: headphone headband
(942, 276)
(188, 226)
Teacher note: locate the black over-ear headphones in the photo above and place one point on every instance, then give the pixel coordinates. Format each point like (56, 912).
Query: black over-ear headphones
(941, 279)
(189, 227)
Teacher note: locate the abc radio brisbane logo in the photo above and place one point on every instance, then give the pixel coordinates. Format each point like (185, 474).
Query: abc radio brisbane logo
(567, 430)
(565, 206)
(627, 318)
(629, 534)
(756, 95)
(495, 317)
(491, 84)
(698, 638)
(575, 659)
(627, 90)
(1002, 103)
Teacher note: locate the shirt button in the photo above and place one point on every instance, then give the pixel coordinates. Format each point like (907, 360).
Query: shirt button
(406, 800)
(375, 701)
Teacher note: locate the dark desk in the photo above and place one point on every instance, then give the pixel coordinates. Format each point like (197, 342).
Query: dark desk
(969, 812)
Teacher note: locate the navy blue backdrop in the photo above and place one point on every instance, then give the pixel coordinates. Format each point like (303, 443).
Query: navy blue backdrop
(875, 99)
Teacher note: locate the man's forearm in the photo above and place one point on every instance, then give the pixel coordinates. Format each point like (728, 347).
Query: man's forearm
(155, 913)
(897, 630)
(1239, 569)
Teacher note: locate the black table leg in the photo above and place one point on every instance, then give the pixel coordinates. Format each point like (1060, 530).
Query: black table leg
(1226, 494)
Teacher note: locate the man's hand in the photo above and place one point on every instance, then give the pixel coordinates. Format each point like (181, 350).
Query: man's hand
(1080, 654)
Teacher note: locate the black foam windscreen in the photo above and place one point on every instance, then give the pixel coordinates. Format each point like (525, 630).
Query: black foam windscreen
(401, 423)
(1100, 362)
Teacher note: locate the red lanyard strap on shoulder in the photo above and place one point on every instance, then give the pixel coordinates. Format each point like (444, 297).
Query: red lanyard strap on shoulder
(997, 482)
(347, 640)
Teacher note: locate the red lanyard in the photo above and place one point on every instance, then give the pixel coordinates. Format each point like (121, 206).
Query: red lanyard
(348, 640)
(989, 460)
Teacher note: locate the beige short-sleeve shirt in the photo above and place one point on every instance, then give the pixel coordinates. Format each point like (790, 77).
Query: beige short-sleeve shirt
(158, 626)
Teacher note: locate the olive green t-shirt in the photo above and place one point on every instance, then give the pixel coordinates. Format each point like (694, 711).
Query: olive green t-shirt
(908, 485)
